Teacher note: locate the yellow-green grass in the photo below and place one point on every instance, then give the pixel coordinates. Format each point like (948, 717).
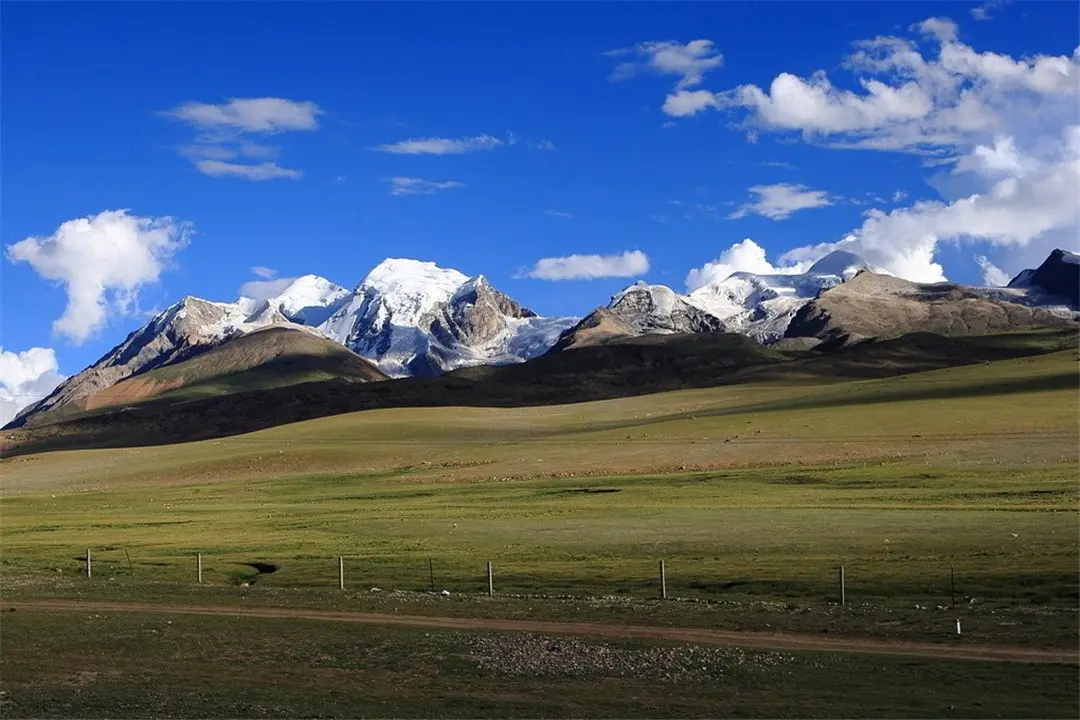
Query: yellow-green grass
(756, 490)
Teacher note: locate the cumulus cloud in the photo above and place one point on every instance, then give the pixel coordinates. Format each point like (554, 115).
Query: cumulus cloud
(780, 201)
(442, 146)
(25, 378)
(558, 214)
(745, 256)
(262, 171)
(690, 62)
(419, 186)
(543, 145)
(223, 130)
(102, 261)
(1002, 132)
(590, 267)
(991, 273)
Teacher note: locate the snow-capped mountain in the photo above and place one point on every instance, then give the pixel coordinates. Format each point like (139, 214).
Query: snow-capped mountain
(762, 306)
(653, 309)
(407, 317)
(759, 306)
(308, 300)
(179, 332)
(415, 318)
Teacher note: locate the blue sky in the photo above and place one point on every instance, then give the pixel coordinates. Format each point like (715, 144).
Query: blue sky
(593, 129)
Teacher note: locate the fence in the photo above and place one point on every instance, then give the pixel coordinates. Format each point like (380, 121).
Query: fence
(486, 577)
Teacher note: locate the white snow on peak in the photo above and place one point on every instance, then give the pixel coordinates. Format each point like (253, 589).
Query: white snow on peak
(762, 306)
(663, 299)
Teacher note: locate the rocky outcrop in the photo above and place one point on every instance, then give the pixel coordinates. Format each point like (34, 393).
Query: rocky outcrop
(881, 306)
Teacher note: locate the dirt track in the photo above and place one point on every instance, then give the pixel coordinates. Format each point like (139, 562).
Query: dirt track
(703, 636)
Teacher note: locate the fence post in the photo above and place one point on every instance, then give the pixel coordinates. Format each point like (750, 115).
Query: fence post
(491, 580)
(431, 573)
(87, 563)
(663, 580)
(843, 590)
(952, 585)
(341, 572)
(198, 566)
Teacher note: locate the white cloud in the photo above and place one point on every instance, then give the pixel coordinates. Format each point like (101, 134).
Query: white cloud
(102, 261)
(590, 267)
(941, 28)
(25, 378)
(745, 256)
(991, 273)
(1003, 133)
(442, 146)
(899, 196)
(779, 201)
(982, 12)
(263, 289)
(253, 115)
(263, 272)
(776, 164)
(690, 61)
(419, 186)
(907, 101)
(262, 171)
(544, 145)
(558, 214)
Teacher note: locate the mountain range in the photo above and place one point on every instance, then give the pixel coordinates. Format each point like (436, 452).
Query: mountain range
(409, 318)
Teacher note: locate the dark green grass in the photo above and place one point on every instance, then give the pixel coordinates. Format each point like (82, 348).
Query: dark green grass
(115, 665)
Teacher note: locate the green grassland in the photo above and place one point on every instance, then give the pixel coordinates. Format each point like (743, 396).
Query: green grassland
(754, 494)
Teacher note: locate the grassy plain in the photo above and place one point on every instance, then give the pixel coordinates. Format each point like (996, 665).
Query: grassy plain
(754, 494)
(91, 665)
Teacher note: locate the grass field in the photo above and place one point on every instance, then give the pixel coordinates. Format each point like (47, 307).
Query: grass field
(753, 494)
(169, 665)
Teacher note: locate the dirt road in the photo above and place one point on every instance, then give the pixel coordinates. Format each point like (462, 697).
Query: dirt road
(701, 636)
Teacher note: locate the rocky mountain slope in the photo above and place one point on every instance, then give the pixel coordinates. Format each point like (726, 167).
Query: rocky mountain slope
(414, 318)
(181, 331)
(266, 358)
(629, 366)
(407, 317)
(881, 306)
(1057, 280)
(758, 306)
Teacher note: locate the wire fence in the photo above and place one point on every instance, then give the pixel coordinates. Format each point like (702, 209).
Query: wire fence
(936, 584)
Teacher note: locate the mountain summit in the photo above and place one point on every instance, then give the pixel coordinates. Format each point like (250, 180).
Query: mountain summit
(407, 317)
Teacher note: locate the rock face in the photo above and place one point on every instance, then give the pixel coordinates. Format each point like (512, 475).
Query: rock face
(181, 331)
(415, 318)
(762, 306)
(882, 306)
(758, 306)
(640, 309)
(407, 317)
(1058, 276)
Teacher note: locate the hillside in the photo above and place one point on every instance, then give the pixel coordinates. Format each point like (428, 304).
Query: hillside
(269, 358)
(881, 306)
(636, 366)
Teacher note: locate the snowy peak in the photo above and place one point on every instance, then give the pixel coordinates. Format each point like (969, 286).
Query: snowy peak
(309, 299)
(840, 263)
(412, 282)
(415, 318)
(659, 309)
